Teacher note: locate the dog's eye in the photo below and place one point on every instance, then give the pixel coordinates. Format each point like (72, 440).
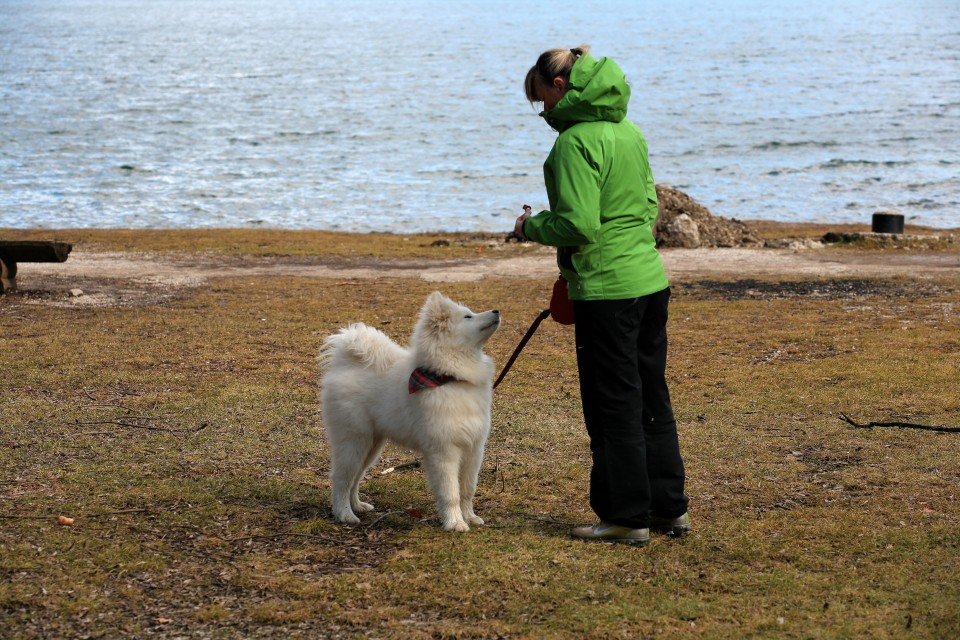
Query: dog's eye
(468, 317)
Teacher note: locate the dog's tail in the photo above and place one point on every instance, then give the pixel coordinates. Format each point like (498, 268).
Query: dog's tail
(362, 346)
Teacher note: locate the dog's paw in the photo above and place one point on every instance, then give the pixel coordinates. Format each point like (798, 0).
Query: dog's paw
(458, 525)
(363, 507)
(347, 518)
(474, 519)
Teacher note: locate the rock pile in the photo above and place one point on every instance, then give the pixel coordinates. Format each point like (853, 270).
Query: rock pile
(682, 222)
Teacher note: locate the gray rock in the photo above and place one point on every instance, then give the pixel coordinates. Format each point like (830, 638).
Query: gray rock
(684, 232)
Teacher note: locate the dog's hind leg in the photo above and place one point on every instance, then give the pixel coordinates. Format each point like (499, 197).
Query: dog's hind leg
(443, 476)
(372, 456)
(469, 473)
(347, 457)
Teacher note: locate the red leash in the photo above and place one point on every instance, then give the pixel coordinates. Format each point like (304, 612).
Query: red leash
(561, 308)
(536, 323)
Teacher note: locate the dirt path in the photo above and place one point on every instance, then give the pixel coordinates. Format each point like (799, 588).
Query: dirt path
(125, 278)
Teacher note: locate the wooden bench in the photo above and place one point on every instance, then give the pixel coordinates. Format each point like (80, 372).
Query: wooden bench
(14, 251)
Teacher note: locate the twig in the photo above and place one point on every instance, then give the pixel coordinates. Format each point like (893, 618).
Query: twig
(106, 406)
(550, 520)
(903, 425)
(271, 536)
(133, 425)
(100, 403)
(388, 513)
(401, 467)
(115, 513)
(84, 516)
(123, 423)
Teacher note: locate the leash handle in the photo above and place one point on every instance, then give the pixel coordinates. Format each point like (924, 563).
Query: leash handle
(516, 352)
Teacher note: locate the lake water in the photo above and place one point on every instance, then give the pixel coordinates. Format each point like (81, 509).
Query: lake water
(376, 115)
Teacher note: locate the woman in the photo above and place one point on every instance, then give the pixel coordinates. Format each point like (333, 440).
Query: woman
(603, 205)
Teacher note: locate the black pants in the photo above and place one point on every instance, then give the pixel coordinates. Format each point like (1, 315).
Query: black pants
(622, 358)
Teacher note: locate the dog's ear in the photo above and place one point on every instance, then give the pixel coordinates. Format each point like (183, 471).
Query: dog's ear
(437, 311)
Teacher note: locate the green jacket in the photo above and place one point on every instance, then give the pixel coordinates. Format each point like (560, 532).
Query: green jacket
(603, 202)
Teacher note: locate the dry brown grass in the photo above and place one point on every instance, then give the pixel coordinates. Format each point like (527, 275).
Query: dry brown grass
(274, 243)
(769, 230)
(185, 441)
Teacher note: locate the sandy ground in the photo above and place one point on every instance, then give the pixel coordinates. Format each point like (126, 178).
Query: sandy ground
(98, 279)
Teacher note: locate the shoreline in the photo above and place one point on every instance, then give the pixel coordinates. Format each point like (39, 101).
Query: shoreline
(109, 268)
(765, 229)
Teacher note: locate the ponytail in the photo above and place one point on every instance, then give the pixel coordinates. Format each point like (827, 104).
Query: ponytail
(551, 64)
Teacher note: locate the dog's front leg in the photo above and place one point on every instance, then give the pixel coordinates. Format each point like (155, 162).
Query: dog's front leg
(469, 472)
(443, 476)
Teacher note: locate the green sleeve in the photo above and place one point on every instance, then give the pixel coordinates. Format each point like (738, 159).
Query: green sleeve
(572, 174)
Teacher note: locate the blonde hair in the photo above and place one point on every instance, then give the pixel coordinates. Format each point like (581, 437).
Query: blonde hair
(551, 64)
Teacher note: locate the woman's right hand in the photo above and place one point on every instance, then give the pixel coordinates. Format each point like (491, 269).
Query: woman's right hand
(518, 225)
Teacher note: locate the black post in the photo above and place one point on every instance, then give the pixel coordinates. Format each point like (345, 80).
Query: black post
(887, 222)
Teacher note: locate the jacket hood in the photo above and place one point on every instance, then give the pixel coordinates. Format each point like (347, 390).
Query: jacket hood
(598, 91)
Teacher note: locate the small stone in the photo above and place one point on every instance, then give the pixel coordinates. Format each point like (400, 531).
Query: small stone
(804, 244)
(684, 230)
(76, 293)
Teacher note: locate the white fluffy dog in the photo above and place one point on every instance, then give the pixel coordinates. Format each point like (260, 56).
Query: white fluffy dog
(433, 398)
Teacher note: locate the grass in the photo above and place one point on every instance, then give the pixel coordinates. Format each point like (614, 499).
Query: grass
(184, 439)
(932, 237)
(273, 243)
